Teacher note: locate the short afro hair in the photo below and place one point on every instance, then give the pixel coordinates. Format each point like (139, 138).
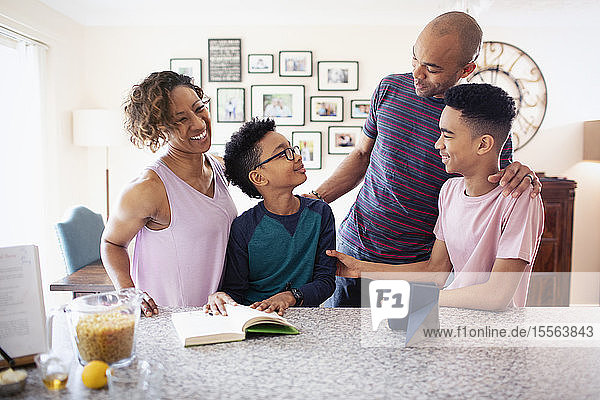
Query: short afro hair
(242, 153)
(486, 109)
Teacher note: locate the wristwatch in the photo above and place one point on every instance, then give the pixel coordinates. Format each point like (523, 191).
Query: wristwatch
(297, 293)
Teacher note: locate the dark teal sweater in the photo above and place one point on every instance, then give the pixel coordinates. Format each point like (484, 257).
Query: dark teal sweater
(267, 251)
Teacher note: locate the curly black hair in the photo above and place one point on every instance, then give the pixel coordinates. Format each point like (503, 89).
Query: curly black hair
(242, 153)
(485, 108)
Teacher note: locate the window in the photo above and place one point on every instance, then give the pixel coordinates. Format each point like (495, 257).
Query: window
(21, 142)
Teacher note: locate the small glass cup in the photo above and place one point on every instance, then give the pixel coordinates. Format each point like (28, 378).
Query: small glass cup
(54, 370)
(139, 381)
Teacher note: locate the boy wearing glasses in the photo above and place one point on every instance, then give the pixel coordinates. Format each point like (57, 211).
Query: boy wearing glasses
(276, 252)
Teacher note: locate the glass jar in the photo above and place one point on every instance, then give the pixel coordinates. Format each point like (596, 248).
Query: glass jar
(103, 326)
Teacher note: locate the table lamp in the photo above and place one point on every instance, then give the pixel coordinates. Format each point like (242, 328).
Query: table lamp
(591, 141)
(98, 128)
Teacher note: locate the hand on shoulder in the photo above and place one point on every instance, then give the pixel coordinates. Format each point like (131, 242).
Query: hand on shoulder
(516, 179)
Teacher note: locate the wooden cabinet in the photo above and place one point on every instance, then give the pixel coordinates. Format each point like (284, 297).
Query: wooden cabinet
(551, 279)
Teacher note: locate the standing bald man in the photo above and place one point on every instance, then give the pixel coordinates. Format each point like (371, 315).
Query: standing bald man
(394, 214)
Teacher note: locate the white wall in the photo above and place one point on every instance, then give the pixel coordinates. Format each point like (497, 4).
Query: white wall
(117, 57)
(65, 165)
(107, 61)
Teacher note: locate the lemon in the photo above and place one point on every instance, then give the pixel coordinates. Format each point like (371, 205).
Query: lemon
(94, 374)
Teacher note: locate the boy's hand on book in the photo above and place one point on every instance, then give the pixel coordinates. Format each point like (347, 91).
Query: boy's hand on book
(347, 266)
(278, 303)
(216, 303)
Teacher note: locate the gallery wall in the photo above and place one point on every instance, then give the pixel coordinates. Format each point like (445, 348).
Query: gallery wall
(106, 61)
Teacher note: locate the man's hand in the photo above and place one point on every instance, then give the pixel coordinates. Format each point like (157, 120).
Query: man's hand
(515, 179)
(279, 302)
(313, 195)
(347, 266)
(216, 303)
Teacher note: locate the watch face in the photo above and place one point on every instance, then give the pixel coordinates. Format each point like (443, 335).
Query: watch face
(510, 68)
(297, 294)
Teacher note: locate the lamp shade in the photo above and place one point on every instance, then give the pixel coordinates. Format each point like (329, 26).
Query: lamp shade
(97, 127)
(591, 141)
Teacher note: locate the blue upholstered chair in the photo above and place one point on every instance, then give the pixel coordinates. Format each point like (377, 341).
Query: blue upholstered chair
(79, 237)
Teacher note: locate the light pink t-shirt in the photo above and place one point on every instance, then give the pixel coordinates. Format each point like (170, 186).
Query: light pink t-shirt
(182, 264)
(477, 230)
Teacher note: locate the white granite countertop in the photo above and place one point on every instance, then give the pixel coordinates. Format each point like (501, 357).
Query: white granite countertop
(338, 356)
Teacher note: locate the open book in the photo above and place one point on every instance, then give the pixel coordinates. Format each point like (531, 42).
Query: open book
(198, 327)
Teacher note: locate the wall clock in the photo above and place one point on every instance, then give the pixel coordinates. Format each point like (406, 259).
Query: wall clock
(510, 68)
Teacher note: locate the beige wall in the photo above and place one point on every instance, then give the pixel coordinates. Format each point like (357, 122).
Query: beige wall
(99, 64)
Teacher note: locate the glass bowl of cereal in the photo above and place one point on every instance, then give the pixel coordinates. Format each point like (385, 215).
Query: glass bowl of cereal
(103, 326)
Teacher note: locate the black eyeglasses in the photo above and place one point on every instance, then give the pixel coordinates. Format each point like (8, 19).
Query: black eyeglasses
(290, 154)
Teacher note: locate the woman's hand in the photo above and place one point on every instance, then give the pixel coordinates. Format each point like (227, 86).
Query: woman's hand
(216, 303)
(347, 266)
(149, 307)
(279, 303)
(515, 179)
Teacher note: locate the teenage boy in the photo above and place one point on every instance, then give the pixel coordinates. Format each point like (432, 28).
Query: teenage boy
(488, 240)
(276, 252)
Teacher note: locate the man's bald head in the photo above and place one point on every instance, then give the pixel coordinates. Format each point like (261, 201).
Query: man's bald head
(458, 23)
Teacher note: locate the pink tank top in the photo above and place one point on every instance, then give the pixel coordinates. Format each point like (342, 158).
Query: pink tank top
(182, 264)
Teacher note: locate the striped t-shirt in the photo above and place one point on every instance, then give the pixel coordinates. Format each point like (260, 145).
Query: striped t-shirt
(395, 211)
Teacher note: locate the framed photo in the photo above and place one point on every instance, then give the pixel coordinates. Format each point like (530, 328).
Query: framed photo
(283, 103)
(224, 60)
(260, 63)
(191, 67)
(310, 148)
(231, 104)
(360, 108)
(295, 63)
(342, 139)
(338, 75)
(327, 108)
(217, 149)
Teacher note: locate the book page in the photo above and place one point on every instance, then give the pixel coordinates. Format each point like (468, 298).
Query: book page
(198, 323)
(22, 315)
(244, 314)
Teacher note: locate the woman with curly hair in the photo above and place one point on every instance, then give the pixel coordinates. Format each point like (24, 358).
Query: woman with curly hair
(178, 209)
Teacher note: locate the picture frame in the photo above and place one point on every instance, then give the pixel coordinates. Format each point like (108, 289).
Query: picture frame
(224, 60)
(337, 75)
(342, 139)
(359, 109)
(260, 63)
(283, 103)
(310, 144)
(231, 105)
(295, 63)
(327, 108)
(191, 67)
